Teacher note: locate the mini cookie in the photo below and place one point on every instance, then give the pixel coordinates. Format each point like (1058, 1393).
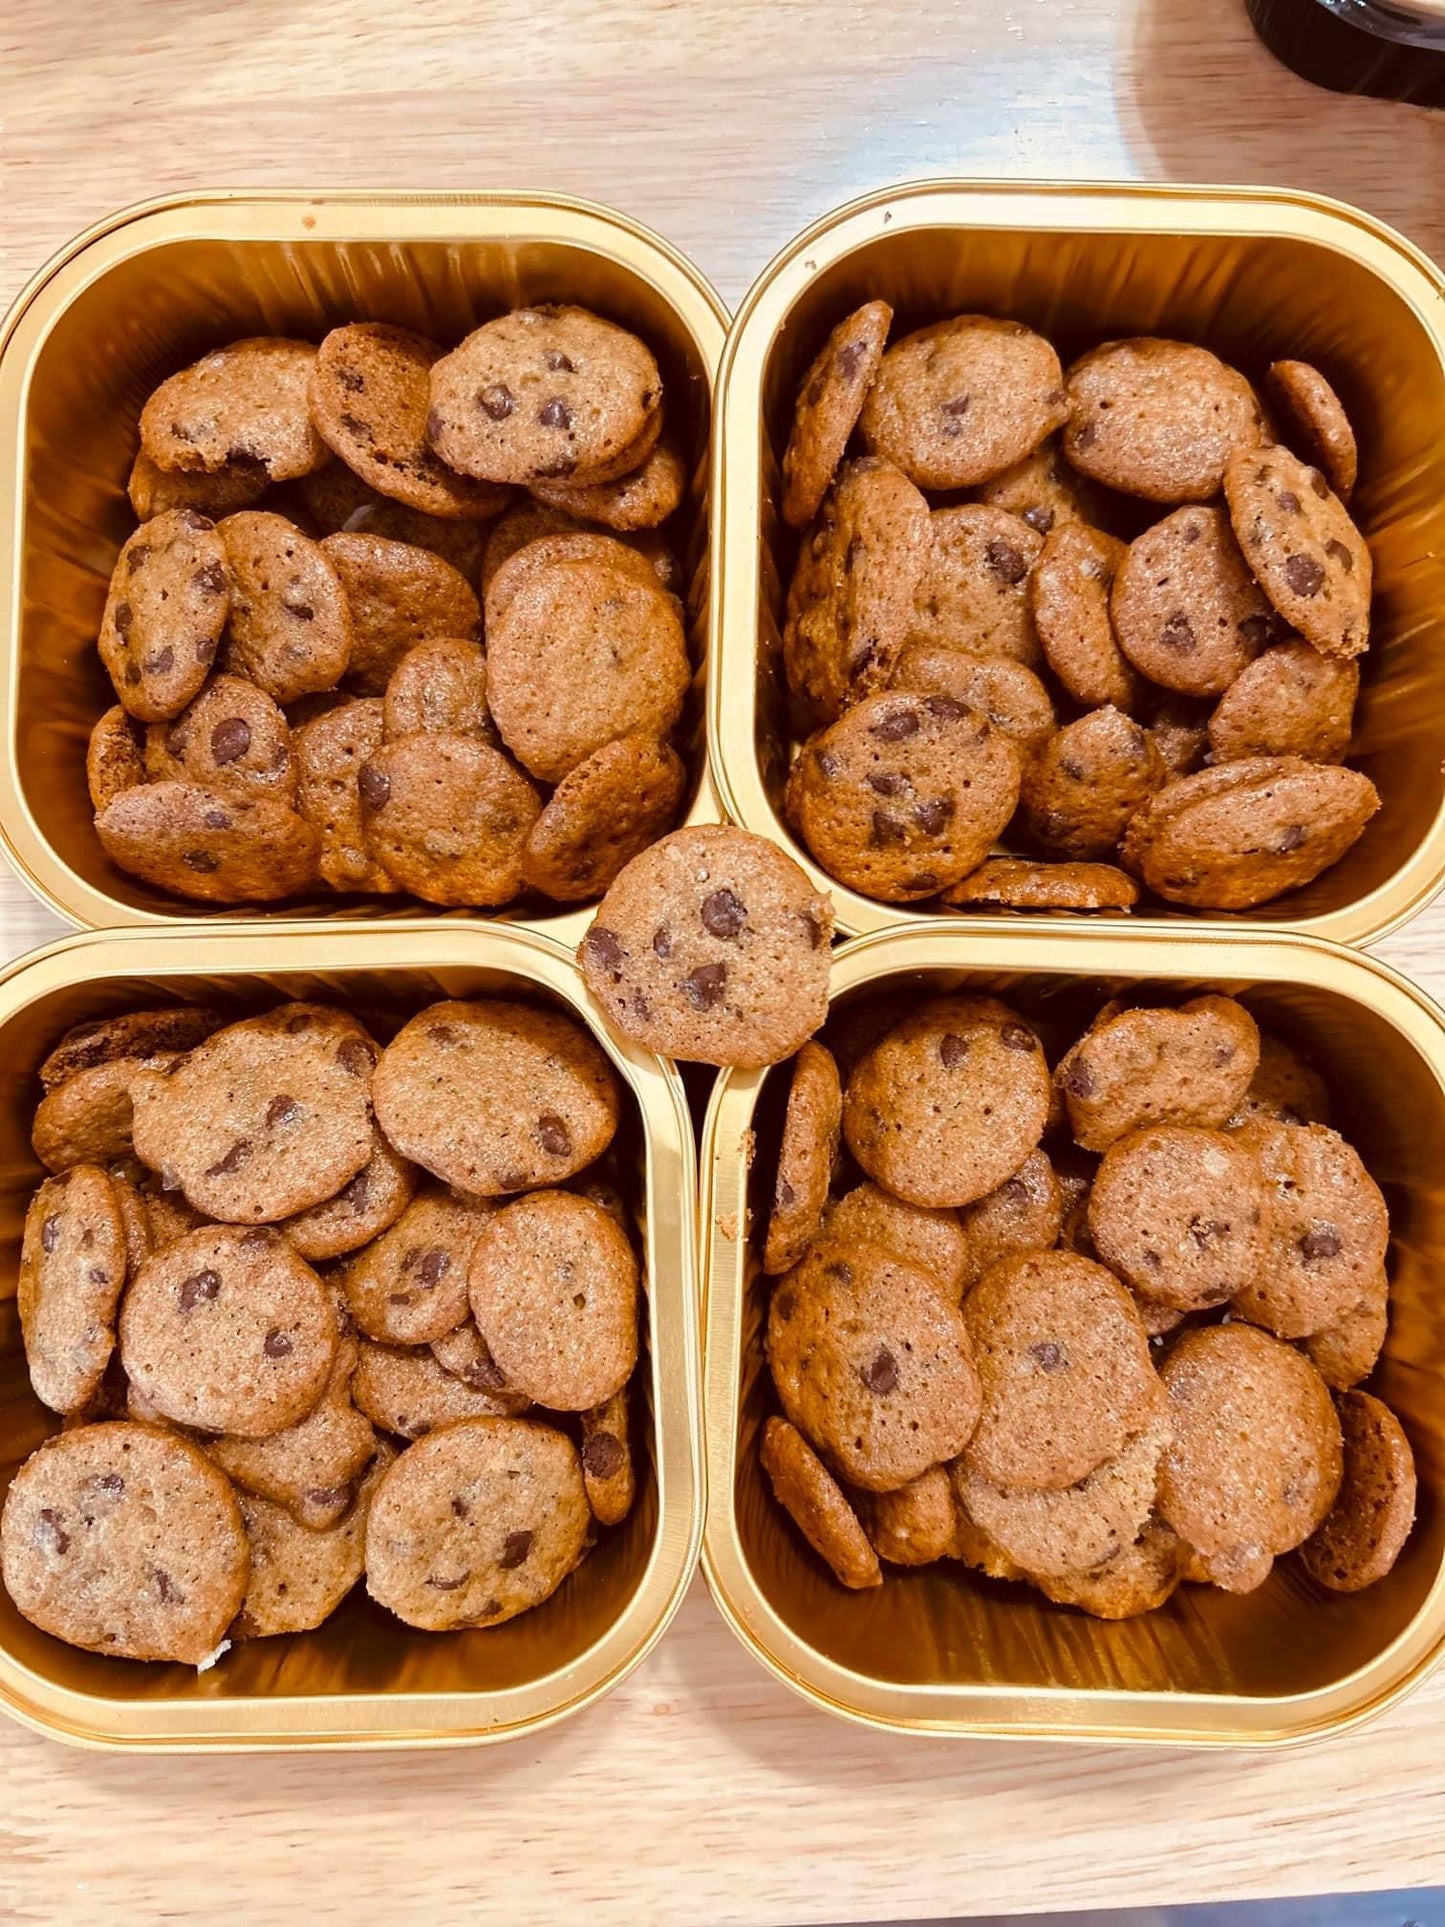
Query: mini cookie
(545, 394)
(244, 403)
(410, 1286)
(137, 1033)
(806, 1158)
(949, 1103)
(447, 817)
(1069, 601)
(872, 1365)
(1345, 1353)
(1045, 492)
(169, 1218)
(1008, 693)
(927, 1241)
(1158, 418)
(409, 1392)
(1256, 1459)
(312, 1467)
(1179, 726)
(1145, 1067)
(461, 543)
(602, 814)
(440, 686)
(135, 1220)
(1185, 608)
(1317, 421)
(815, 1502)
(850, 602)
(830, 398)
(574, 544)
(913, 1526)
(1240, 835)
(88, 1118)
(1370, 1521)
(905, 794)
(125, 1541)
(194, 842)
(527, 521)
(156, 491)
(1010, 883)
(1065, 1370)
(169, 597)
(370, 392)
(973, 593)
(1136, 1580)
(398, 596)
(607, 1470)
(960, 402)
(638, 500)
(232, 738)
(1292, 701)
(712, 946)
(330, 752)
(1176, 1212)
(291, 631)
(299, 1576)
(1311, 560)
(1285, 1089)
(1025, 1213)
(72, 1270)
(495, 1097)
(463, 1352)
(1326, 1230)
(361, 1210)
(265, 1118)
(114, 757)
(1081, 787)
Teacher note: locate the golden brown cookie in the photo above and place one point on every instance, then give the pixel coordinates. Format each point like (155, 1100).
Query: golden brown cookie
(807, 1158)
(1285, 1089)
(1291, 701)
(330, 751)
(1347, 1352)
(1025, 1213)
(1158, 418)
(973, 592)
(1146, 1067)
(1317, 422)
(1008, 693)
(830, 399)
(409, 1286)
(1297, 536)
(931, 1241)
(602, 814)
(114, 757)
(1177, 1212)
(1081, 787)
(169, 597)
(641, 499)
(73, 1263)
(299, 1576)
(360, 1211)
(1069, 601)
(156, 491)
(243, 403)
(447, 817)
(1366, 1528)
(1136, 1580)
(575, 543)
(1012, 883)
(291, 630)
(410, 1392)
(87, 1118)
(232, 738)
(1186, 610)
(815, 1502)
(398, 595)
(190, 840)
(913, 1526)
(607, 1462)
(312, 1467)
(441, 686)
(1044, 491)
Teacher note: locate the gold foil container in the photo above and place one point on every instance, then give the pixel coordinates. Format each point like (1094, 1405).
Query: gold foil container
(149, 290)
(943, 1651)
(364, 1679)
(1253, 274)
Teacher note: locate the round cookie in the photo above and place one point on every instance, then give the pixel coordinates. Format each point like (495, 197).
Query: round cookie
(114, 757)
(807, 1158)
(125, 1541)
(1291, 701)
(409, 1392)
(165, 610)
(815, 1502)
(398, 596)
(1025, 1213)
(1008, 693)
(973, 592)
(641, 499)
(475, 1524)
(546, 551)
(1044, 491)
(927, 1240)
(1147, 1067)
(602, 814)
(1011, 883)
(369, 394)
(1285, 1089)
(312, 1467)
(361, 1210)
(1316, 419)
(133, 1034)
(440, 686)
(464, 1353)
(232, 738)
(1347, 1352)
(905, 794)
(461, 543)
(830, 399)
(1136, 1580)
(1158, 418)
(1256, 1460)
(72, 1271)
(156, 491)
(1080, 787)
(712, 946)
(1366, 1528)
(88, 1118)
(1176, 1211)
(1065, 1370)
(447, 817)
(913, 1526)
(1069, 601)
(607, 1464)
(949, 1103)
(193, 842)
(527, 521)
(330, 751)
(410, 1285)
(959, 402)
(291, 630)
(872, 1365)
(299, 1576)
(850, 600)
(1311, 560)
(247, 402)
(1179, 726)
(1186, 610)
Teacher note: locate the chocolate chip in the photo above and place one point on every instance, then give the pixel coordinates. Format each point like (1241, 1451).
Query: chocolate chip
(160, 662)
(880, 1374)
(460, 1508)
(217, 820)
(933, 816)
(374, 785)
(212, 579)
(206, 647)
(352, 380)
(1039, 519)
(490, 1610)
(1052, 1357)
(1337, 552)
(1072, 767)
(281, 1110)
(1003, 560)
(559, 363)
(1318, 483)
(1087, 435)
(841, 1270)
(885, 783)
(448, 1585)
(1290, 838)
(553, 1135)
(886, 830)
(238, 1154)
(785, 1304)
(48, 1532)
(259, 1238)
(662, 942)
(783, 1193)
(355, 1057)
(565, 465)
(277, 1344)
(433, 1268)
(1288, 501)
(497, 402)
(1207, 1231)
(1178, 633)
(329, 1496)
(98, 1275)
(111, 1484)
(355, 1195)
(199, 1289)
(723, 914)
(230, 739)
(170, 1592)
(1320, 1241)
(555, 413)
(123, 618)
(922, 882)
(602, 1455)
(1017, 1037)
(1079, 1079)
(828, 764)
(896, 726)
(1304, 574)
(956, 408)
(136, 556)
(952, 1050)
(50, 1232)
(485, 1373)
(1254, 631)
(949, 708)
(515, 1548)
(704, 987)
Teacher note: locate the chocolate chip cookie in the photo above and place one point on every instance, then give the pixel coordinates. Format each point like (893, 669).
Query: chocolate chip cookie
(193, 842)
(1316, 421)
(232, 738)
(1069, 600)
(440, 686)
(114, 756)
(1025, 1213)
(1186, 610)
(1149, 1067)
(1291, 701)
(602, 814)
(155, 491)
(1367, 1526)
(1177, 1212)
(1044, 491)
(398, 596)
(815, 1502)
(830, 399)
(1081, 787)
(361, 1210)
(87, 1119)
(410, 1286)
(1012, 883)
(1297, 536)
(973, 592)
(169, 597)
(607, 1460)
(914, 1525)
(931, 1241)
(330, 753)
(447, 818)
(807, 1158)
(1285, 1089)
(72, 1271)
(1348, 1351)
(300, 1576)
(1008, 693)
(1136, 1580)
(641, 499)
(291, 629)
(311, 1468)
(1158, 418)
(246, 403)
(409, 1392)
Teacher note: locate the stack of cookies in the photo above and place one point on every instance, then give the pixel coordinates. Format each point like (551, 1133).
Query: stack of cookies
(313, 1309)
(989, 637)
(294, 633)
(1101, 1330)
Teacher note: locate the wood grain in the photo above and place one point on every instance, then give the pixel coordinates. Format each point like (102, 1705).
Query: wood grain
(700, 1791)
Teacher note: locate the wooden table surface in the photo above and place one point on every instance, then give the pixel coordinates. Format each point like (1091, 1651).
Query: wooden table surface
(700, 1791)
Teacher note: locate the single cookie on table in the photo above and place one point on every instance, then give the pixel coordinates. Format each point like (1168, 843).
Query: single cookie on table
(290, 630)
(1256, 1459)
(114, 757)
(361, 1210)
(398, 595)
(1158, 418)
(311, 1468)
(913, 1526)
(949, 1103)
(973, 592)
(817, 1505)
(125, 1541)
(546, 394)
(440, 686)
(1081, 787)
(554, 1289)
(1285, 1089)
(1136, 1580)
(156, 491)
(850, 601)
(232, 738)
(1007, 692)
(1069, 602)
(807, 1158)
(1025, 1213)
(132, 1034)
(477, 1523)
(330, 752)
(1014, 883)
(247, 402)
(409, 1286)
(89, 1117)
(712, 946)
(300, 1575)
(1240, 835)
(73, 1266)
(905, 794)
(370, 391)
(602, 814)
(447, 817)
(407, 1390)
(1186, 610)
(1347, 1352)
(495, 1097)
(1291, 701)
(1145, 1067)
(872, 1365)
(1064, 1367)
(1366, 1528)
(830, 399)
(167, 605)
(930, 1241)
(194, 842)
(957, 403)
(607, 1464)
(1315, 418)
(641, 499)
(1044, 491)
(1177, 1212)
(1297, 536)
